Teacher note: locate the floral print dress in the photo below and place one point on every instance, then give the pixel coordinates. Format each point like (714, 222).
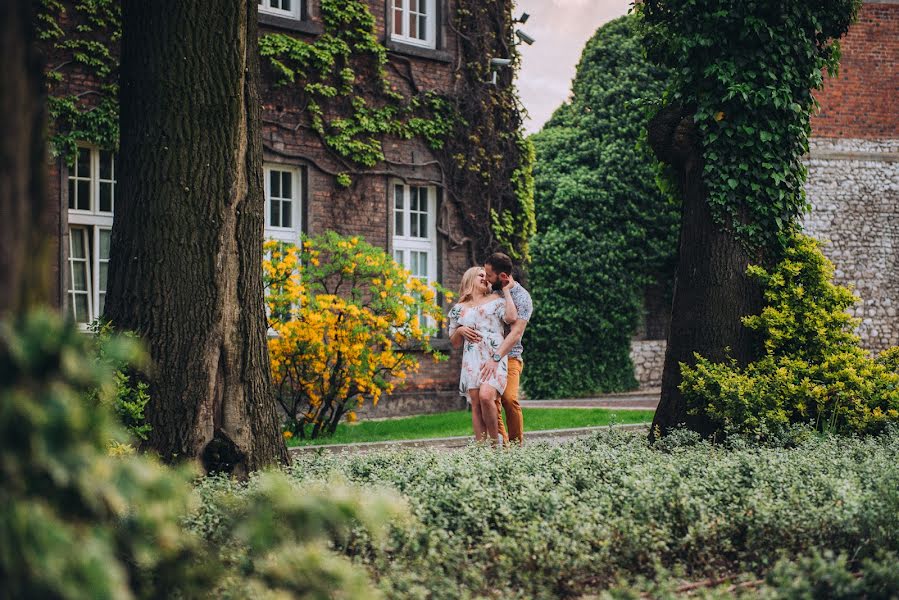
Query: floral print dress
(487, 319)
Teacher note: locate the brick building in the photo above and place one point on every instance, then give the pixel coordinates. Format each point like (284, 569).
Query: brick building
(853, 184)
(399, 205)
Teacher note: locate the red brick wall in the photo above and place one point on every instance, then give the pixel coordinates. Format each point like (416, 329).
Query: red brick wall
(362, 209)
(863, 102)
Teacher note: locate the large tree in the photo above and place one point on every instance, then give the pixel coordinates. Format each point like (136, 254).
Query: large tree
(733, 127)
(186, 272)
(25, 220)
(605, 230)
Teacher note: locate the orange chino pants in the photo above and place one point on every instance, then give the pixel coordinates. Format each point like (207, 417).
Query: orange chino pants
(509, 402)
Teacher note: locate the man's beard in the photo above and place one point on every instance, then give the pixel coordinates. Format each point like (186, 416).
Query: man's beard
(496, 285)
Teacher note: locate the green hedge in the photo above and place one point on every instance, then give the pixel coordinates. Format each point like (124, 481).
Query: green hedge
(605, 230)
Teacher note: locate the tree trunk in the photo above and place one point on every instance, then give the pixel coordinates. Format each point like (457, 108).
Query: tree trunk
(186, 266)
(26, 227)
(711, 290)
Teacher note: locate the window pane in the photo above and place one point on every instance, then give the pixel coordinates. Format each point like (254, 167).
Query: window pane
(101, 302)
(76, 243)
(285, 4)
(104, 273)
(413, 226)
(413, 5)
(398, 256)
(286, 187)
(422, 27)
(105, 236)
(83, 168)
(105, 197)
(398, 197)
(274, 213)
(413, 199)
(83, 195)
(275, 4)
(423, 225)
(398, 19)
(398, 228)
(105, 164)
(79, 276)
(72, 193)
(413, 25)
(286, 221)
(79, 307)
(275, 182)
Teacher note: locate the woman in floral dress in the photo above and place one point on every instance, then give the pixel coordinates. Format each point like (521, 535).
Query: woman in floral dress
(477, 321)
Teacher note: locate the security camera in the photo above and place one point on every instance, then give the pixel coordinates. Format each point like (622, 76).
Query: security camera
(500, 62)
(524, 37)
(523, 18)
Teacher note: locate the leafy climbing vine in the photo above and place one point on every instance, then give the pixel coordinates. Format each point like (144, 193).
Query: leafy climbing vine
(85, 33)
(340, 78)
(486, 155)
(746, 71)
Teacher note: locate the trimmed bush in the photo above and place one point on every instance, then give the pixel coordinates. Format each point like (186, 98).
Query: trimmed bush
(813, 368)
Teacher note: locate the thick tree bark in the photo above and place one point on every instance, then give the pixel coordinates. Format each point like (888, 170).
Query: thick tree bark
(25, 219)
(186, 266)
(711, 290)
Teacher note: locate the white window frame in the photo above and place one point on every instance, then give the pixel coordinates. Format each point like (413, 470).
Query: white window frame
(404, 36)
(92, 221)
(295, 12)
(284, 234)
(292, 234)
(403, 241)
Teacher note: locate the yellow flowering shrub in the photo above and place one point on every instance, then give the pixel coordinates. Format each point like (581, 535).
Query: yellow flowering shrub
(349, 324)
(813, 368)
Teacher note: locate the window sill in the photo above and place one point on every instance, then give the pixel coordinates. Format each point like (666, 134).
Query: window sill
(418, 51)
(290, 24)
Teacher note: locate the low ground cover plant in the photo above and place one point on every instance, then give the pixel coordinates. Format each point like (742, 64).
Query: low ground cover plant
(558, 521)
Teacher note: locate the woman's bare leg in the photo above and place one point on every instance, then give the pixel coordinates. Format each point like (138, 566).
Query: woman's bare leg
(477, 423)
(488, 412)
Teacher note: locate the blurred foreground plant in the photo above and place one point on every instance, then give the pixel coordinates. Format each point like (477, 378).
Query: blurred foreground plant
(81, 523)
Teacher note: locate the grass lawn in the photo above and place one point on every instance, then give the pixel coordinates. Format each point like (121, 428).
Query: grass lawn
(459, 423)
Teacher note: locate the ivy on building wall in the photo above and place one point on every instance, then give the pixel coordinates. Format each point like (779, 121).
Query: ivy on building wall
(746, 71)
(341, 78)
(486, 154)
(85, 33)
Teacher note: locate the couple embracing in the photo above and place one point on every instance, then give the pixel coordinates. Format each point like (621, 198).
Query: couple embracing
(489, 319)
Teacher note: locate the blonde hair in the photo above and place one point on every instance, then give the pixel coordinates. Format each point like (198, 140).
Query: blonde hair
(469, 280)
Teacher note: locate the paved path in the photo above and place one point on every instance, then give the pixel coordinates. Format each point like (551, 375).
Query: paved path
(641, 400)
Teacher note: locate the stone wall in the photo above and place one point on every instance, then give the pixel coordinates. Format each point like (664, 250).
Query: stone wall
(853, 186)
(648, 357)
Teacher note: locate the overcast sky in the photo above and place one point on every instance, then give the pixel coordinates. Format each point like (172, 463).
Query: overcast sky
(561, 28)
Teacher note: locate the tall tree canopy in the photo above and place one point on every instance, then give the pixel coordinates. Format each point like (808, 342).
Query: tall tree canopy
(186, 251)
(734, 128)
(605, 230)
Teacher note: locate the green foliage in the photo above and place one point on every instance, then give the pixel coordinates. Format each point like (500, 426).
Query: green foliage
(128, 402)
(91, 41)
(561, 521)
(813, 367)
(79, 523)
(605, 230)
(746, 70)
